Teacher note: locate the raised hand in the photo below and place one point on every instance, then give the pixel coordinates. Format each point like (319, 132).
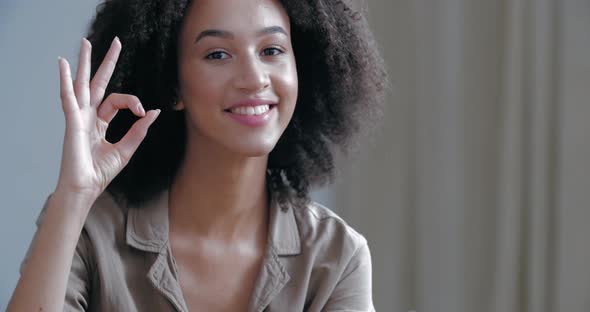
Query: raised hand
(89, 162)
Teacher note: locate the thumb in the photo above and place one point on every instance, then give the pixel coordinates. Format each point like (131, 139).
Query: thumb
(130, 142)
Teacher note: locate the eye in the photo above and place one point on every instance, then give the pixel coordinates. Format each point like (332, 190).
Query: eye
(217, 55)
(272, 51)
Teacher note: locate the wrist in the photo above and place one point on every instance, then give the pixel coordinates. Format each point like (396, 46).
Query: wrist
(77, 194)
(75, 202)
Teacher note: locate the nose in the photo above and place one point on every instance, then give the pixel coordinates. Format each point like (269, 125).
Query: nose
(251, 75)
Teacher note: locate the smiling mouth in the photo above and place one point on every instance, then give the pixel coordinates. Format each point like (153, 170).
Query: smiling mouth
(251, 110)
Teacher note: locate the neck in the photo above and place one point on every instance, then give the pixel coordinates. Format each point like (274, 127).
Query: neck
(219, 195)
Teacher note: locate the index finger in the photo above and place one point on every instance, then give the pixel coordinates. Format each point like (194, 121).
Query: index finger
(99, 83)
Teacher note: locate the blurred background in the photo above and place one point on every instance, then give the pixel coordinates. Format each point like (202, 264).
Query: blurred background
(473, 193)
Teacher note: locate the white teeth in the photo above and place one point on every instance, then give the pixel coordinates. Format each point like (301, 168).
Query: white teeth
(251, 110)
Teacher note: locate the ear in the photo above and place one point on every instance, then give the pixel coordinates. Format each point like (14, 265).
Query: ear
(178, 106)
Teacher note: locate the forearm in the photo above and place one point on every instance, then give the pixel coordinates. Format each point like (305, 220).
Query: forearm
(43, 281)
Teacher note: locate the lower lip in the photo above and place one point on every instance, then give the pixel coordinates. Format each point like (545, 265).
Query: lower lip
(253, 120)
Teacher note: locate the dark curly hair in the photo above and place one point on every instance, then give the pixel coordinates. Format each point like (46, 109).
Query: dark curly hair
(341, 86)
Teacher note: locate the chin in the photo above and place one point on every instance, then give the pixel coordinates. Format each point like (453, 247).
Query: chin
(252, 148)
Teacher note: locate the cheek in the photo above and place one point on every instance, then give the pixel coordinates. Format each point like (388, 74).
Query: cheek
(287, 85)
(198, 83)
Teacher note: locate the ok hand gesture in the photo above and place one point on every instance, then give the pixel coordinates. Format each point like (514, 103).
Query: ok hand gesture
(89, 162)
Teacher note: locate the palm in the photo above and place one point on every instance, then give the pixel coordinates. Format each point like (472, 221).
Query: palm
(89, 162)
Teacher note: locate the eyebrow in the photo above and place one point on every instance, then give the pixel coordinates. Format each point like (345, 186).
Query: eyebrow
(228, 35)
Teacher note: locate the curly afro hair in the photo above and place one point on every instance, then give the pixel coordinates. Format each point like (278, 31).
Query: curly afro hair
(341, 87)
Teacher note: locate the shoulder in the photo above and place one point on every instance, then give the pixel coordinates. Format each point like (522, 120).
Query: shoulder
(323, 229)
(333, 267)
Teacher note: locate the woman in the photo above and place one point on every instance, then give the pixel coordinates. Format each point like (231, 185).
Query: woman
(245, 102)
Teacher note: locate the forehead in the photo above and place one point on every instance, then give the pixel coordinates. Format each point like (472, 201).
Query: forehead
(239, 16)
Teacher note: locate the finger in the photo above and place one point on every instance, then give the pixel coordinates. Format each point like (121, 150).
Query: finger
(99, 83)
(127, 146)
(83, 74)
(116, 101)
(68, 99)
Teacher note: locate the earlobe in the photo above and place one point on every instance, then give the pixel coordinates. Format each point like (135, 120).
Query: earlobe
(178, 106)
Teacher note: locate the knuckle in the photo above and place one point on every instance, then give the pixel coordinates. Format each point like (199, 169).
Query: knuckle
(110, 62)
(97, 94)
(81, 83)
(112, 99)
(99, 84)
(123, 157)
(64, 95)
(113, 96)
(102, 126)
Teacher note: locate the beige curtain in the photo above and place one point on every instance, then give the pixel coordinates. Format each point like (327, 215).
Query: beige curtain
(475, 192)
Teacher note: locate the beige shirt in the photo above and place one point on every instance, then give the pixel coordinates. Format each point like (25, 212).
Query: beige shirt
(314, 262)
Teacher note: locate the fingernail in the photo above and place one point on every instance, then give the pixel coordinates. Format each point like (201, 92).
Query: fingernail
(140, 108)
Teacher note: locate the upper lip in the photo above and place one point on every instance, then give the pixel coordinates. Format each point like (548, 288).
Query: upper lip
(251, 102)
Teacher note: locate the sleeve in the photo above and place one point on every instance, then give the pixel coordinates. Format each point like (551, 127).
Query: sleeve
(353, 293)
(78, 289)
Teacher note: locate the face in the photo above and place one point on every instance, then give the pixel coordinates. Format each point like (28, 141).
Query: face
(237, 74)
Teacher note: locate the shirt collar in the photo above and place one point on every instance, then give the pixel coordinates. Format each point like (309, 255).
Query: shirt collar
(147, 227)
